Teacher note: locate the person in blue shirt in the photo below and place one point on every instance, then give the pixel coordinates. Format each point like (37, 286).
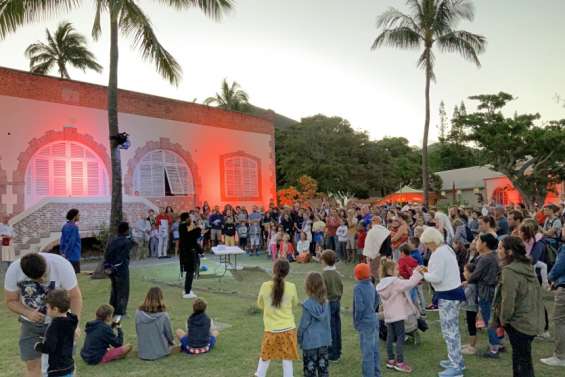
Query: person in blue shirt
(414, 244)
(69, 244)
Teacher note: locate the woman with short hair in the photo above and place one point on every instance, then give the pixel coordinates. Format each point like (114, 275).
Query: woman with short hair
(443, 274)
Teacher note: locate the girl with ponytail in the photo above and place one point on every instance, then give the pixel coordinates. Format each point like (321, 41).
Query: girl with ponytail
(277, 298)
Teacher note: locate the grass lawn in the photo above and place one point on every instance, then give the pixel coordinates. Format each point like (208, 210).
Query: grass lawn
(232, 301)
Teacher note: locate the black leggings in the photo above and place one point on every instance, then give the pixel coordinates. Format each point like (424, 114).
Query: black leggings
(471, 318)
(522, 365)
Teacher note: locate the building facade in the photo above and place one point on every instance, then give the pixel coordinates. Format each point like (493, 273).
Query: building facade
(54, 155)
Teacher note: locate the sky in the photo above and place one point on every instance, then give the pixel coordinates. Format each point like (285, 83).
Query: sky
(304, 57)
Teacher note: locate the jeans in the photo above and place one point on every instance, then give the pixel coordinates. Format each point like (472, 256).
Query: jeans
(485, 307)
(521, 352)
(331, 243)
(316, 362)
(119, 295)
(449, 321)
(368, 339)
(342, 250)
(395, 333)
(335, 325)
(559, 320)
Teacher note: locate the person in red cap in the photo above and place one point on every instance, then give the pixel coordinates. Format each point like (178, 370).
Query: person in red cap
(365, 321)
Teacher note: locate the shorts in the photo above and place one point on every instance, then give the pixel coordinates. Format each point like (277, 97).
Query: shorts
(195, 351)
(229, 240)
(215, 234)
(30, 334)
(254, 241)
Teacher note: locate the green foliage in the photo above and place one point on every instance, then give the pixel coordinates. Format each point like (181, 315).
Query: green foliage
(65, 47)
(449, 155)
(231, 97)
(341, 159)
(532, 157)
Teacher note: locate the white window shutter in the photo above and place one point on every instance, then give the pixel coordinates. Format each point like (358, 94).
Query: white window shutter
(41, 178)
(241, 177)
(77, 178)
(93, 178)
(60, 180)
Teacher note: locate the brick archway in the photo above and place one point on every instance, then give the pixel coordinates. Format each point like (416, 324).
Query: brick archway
(163, 144)
(66, 134)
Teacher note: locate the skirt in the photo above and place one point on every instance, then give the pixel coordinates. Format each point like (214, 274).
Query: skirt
(279, 346)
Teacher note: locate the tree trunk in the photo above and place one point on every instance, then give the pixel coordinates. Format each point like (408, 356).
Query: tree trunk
(425, 175)
(116, 210)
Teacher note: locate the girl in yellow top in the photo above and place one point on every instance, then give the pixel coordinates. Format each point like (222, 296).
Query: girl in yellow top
(277, 299)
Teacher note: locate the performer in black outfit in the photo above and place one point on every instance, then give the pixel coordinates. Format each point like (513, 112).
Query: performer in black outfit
(189, 250)
(116, 261)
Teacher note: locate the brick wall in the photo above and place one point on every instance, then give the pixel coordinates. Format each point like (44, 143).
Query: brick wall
(51, 89)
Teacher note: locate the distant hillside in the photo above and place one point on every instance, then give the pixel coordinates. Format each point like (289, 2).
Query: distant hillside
(280, 120)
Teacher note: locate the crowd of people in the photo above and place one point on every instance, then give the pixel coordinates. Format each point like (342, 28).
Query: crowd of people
(494, 263)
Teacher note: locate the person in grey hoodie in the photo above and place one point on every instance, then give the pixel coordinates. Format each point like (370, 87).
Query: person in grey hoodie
(153, 327)
(314, 331)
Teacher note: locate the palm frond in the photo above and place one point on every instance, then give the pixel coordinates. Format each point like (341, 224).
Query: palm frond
(42, 68)
(15, 13)
(427, 62)
(214, 9)
(211, 100)
(134, 22)
(467, 44)
(417, 10)
(96, 27)
(393, 18)
(401, 37)
(450, 12)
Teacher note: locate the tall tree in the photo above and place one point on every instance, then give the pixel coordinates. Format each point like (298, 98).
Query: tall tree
(231, 97)
(442, 122)
(125, 17)
(531, 157)
(65, 47)
(430, 23)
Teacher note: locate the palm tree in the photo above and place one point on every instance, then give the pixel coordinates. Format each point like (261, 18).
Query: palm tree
(231, 97)
(430, 23)
(129, 19)
(65, 47)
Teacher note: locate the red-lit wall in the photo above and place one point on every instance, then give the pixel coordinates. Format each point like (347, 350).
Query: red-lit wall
(36, 110)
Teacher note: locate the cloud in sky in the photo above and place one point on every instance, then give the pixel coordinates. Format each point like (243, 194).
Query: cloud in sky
(306, 57)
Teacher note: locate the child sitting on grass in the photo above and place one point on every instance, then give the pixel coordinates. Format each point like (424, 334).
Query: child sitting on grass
(102, 344)
(303, 249)
(314, 334)
(153, 327)
(286, 250)
(59, 337)
(201, 334)
(397, 307)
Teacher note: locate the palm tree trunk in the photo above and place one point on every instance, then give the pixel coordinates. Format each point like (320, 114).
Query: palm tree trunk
(116, 209)
(425, 175)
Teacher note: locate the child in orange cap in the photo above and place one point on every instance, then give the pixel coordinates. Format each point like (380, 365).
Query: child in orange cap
(365, 321)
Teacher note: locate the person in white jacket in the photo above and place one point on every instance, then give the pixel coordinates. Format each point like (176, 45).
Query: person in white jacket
(443, 274)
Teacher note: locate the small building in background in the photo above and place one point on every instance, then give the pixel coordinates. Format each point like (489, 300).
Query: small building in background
(476, 185)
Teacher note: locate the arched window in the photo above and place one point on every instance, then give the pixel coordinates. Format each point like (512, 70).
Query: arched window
(65, 168)
(241, 177)
(162, 173)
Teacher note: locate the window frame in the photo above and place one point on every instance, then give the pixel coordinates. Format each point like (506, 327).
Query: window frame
(165, 167)
(223, 184)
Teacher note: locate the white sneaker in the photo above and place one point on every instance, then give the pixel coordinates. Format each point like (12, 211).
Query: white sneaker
(189, 295)
(554, 361)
